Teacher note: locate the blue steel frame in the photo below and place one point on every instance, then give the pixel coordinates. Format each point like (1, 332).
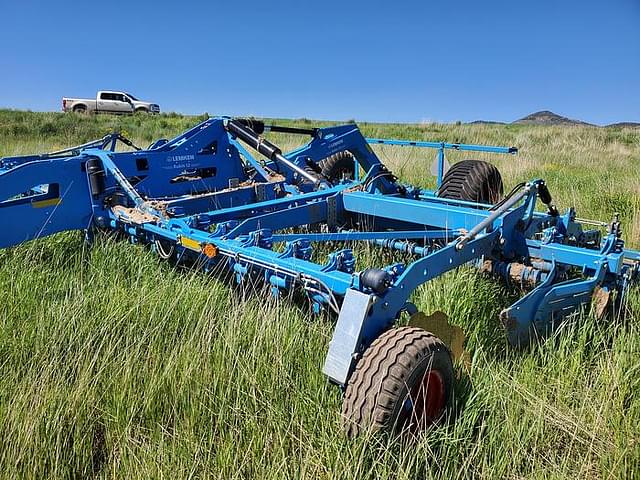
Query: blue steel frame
(441, 147)
(203, 197)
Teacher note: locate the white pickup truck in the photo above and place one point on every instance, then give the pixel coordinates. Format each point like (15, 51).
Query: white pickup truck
(109, 101)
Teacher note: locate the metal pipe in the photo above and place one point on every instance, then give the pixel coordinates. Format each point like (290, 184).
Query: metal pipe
(347, 235)
(406, 247)
(595, 223)
(92, 143)
(440, 165)
(295, 130)
(445, 145)
(266, 148)
(119, 177)
(514, 273)
(491, 218)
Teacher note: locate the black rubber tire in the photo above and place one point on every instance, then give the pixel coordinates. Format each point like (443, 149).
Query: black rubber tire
(338, 166)
(472, 181)
(80, 109)
(390, 369)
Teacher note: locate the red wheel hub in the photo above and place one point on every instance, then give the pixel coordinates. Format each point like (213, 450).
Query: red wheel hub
(426, 401)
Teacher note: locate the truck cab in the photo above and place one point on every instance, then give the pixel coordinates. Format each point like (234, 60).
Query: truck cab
(109, 101)
(116, 102)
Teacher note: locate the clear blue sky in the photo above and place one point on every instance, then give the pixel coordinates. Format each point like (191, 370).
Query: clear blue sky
(379, 61)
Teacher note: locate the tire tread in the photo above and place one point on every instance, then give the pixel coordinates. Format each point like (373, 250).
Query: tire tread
(373, 389)
(472, 181)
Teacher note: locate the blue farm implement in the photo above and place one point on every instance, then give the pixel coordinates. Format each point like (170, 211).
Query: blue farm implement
(204, 199)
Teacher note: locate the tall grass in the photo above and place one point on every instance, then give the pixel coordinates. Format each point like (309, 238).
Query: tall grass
(115, 365)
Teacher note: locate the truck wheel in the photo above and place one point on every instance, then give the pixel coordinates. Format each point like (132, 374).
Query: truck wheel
(80, 109)
(472, 181)
(142, 110)
(404, 382)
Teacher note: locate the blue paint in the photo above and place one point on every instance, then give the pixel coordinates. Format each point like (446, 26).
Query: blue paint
(204, 196)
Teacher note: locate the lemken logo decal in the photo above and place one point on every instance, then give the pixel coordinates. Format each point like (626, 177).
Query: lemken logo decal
(181, 158)
(335, 145)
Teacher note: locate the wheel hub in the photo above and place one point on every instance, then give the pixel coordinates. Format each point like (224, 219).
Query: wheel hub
(426, 401)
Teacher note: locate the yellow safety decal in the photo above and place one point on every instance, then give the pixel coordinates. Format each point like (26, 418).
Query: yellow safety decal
(190, 243)
(51, 202)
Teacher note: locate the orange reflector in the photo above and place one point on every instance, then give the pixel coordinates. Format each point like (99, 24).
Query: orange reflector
(209, 250)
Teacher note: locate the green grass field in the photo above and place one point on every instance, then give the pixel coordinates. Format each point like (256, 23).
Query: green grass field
(114, 365)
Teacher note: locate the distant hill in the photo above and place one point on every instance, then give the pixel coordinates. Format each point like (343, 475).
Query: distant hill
(545, 117)
(624, 125)
(486, 122)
